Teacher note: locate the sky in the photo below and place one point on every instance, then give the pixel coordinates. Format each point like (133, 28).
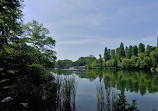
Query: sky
(85, 27)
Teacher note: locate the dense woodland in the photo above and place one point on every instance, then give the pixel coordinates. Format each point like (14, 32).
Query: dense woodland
(25, 56)
(132, 57)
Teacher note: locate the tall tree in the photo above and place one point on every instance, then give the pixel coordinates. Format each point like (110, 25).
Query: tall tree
(135, 50)
(141, 48)
(149, 49)
(11, 21)
(117, 52)
(100, 60)
(112, 53)
(106, 54)
(129, 53)
(109, 54)
(121, 51)
(126, 51)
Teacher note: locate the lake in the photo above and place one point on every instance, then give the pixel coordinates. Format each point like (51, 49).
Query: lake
(94, 87)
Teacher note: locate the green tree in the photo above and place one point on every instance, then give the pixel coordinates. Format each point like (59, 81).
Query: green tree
(11, 21)
(108, 63)
(117, 53)
(36, 35)
(106, 54)
(126, 63)
(81, 61)
(129, 53)
(109, 54)
(64, 64)
(141, 48)
(89, 60)
(134, 61)
(135, 50)
(126, 51)
(114, 62)
(140, 62)
(112, 53)
(95, 64)
(149, 49)
(154, 57)
(147, 62)
(100, 60)
(121, 53)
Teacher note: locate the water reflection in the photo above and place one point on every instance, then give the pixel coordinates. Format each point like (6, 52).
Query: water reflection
(24, 93)
(100, 96)
(39, 92)
(134, 81)
(112, 101)
(67, 93)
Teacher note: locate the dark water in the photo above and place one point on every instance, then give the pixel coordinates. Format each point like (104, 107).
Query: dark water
(136, 85)
(78, 90)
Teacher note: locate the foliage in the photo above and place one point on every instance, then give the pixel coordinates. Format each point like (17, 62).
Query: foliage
(80, 62)
(126, 63)
(11, 22)
(122, 105)
(125, 59)
(126, 51)
(112, 53)
(106, 54)
(129, 52)
(36, 35)
(63, 64)
(24, 61)
(135, 50)
(141, 48)
(100, 61)
(154, 57)
(121, 52)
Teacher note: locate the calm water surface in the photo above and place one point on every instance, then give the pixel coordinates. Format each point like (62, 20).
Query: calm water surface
(136, 85)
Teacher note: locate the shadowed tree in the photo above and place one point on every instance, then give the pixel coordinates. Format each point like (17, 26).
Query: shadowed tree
(117, 52)
(149, 49)
(121, 53)
(135, 50)
(141, 48)
(129, 53)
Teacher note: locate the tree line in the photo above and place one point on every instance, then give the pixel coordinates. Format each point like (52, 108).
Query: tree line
(129, 57)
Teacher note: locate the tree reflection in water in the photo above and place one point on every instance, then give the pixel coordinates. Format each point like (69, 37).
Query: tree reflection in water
(100, 96)
(112, 102)
(24, 93)
(67, 93)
